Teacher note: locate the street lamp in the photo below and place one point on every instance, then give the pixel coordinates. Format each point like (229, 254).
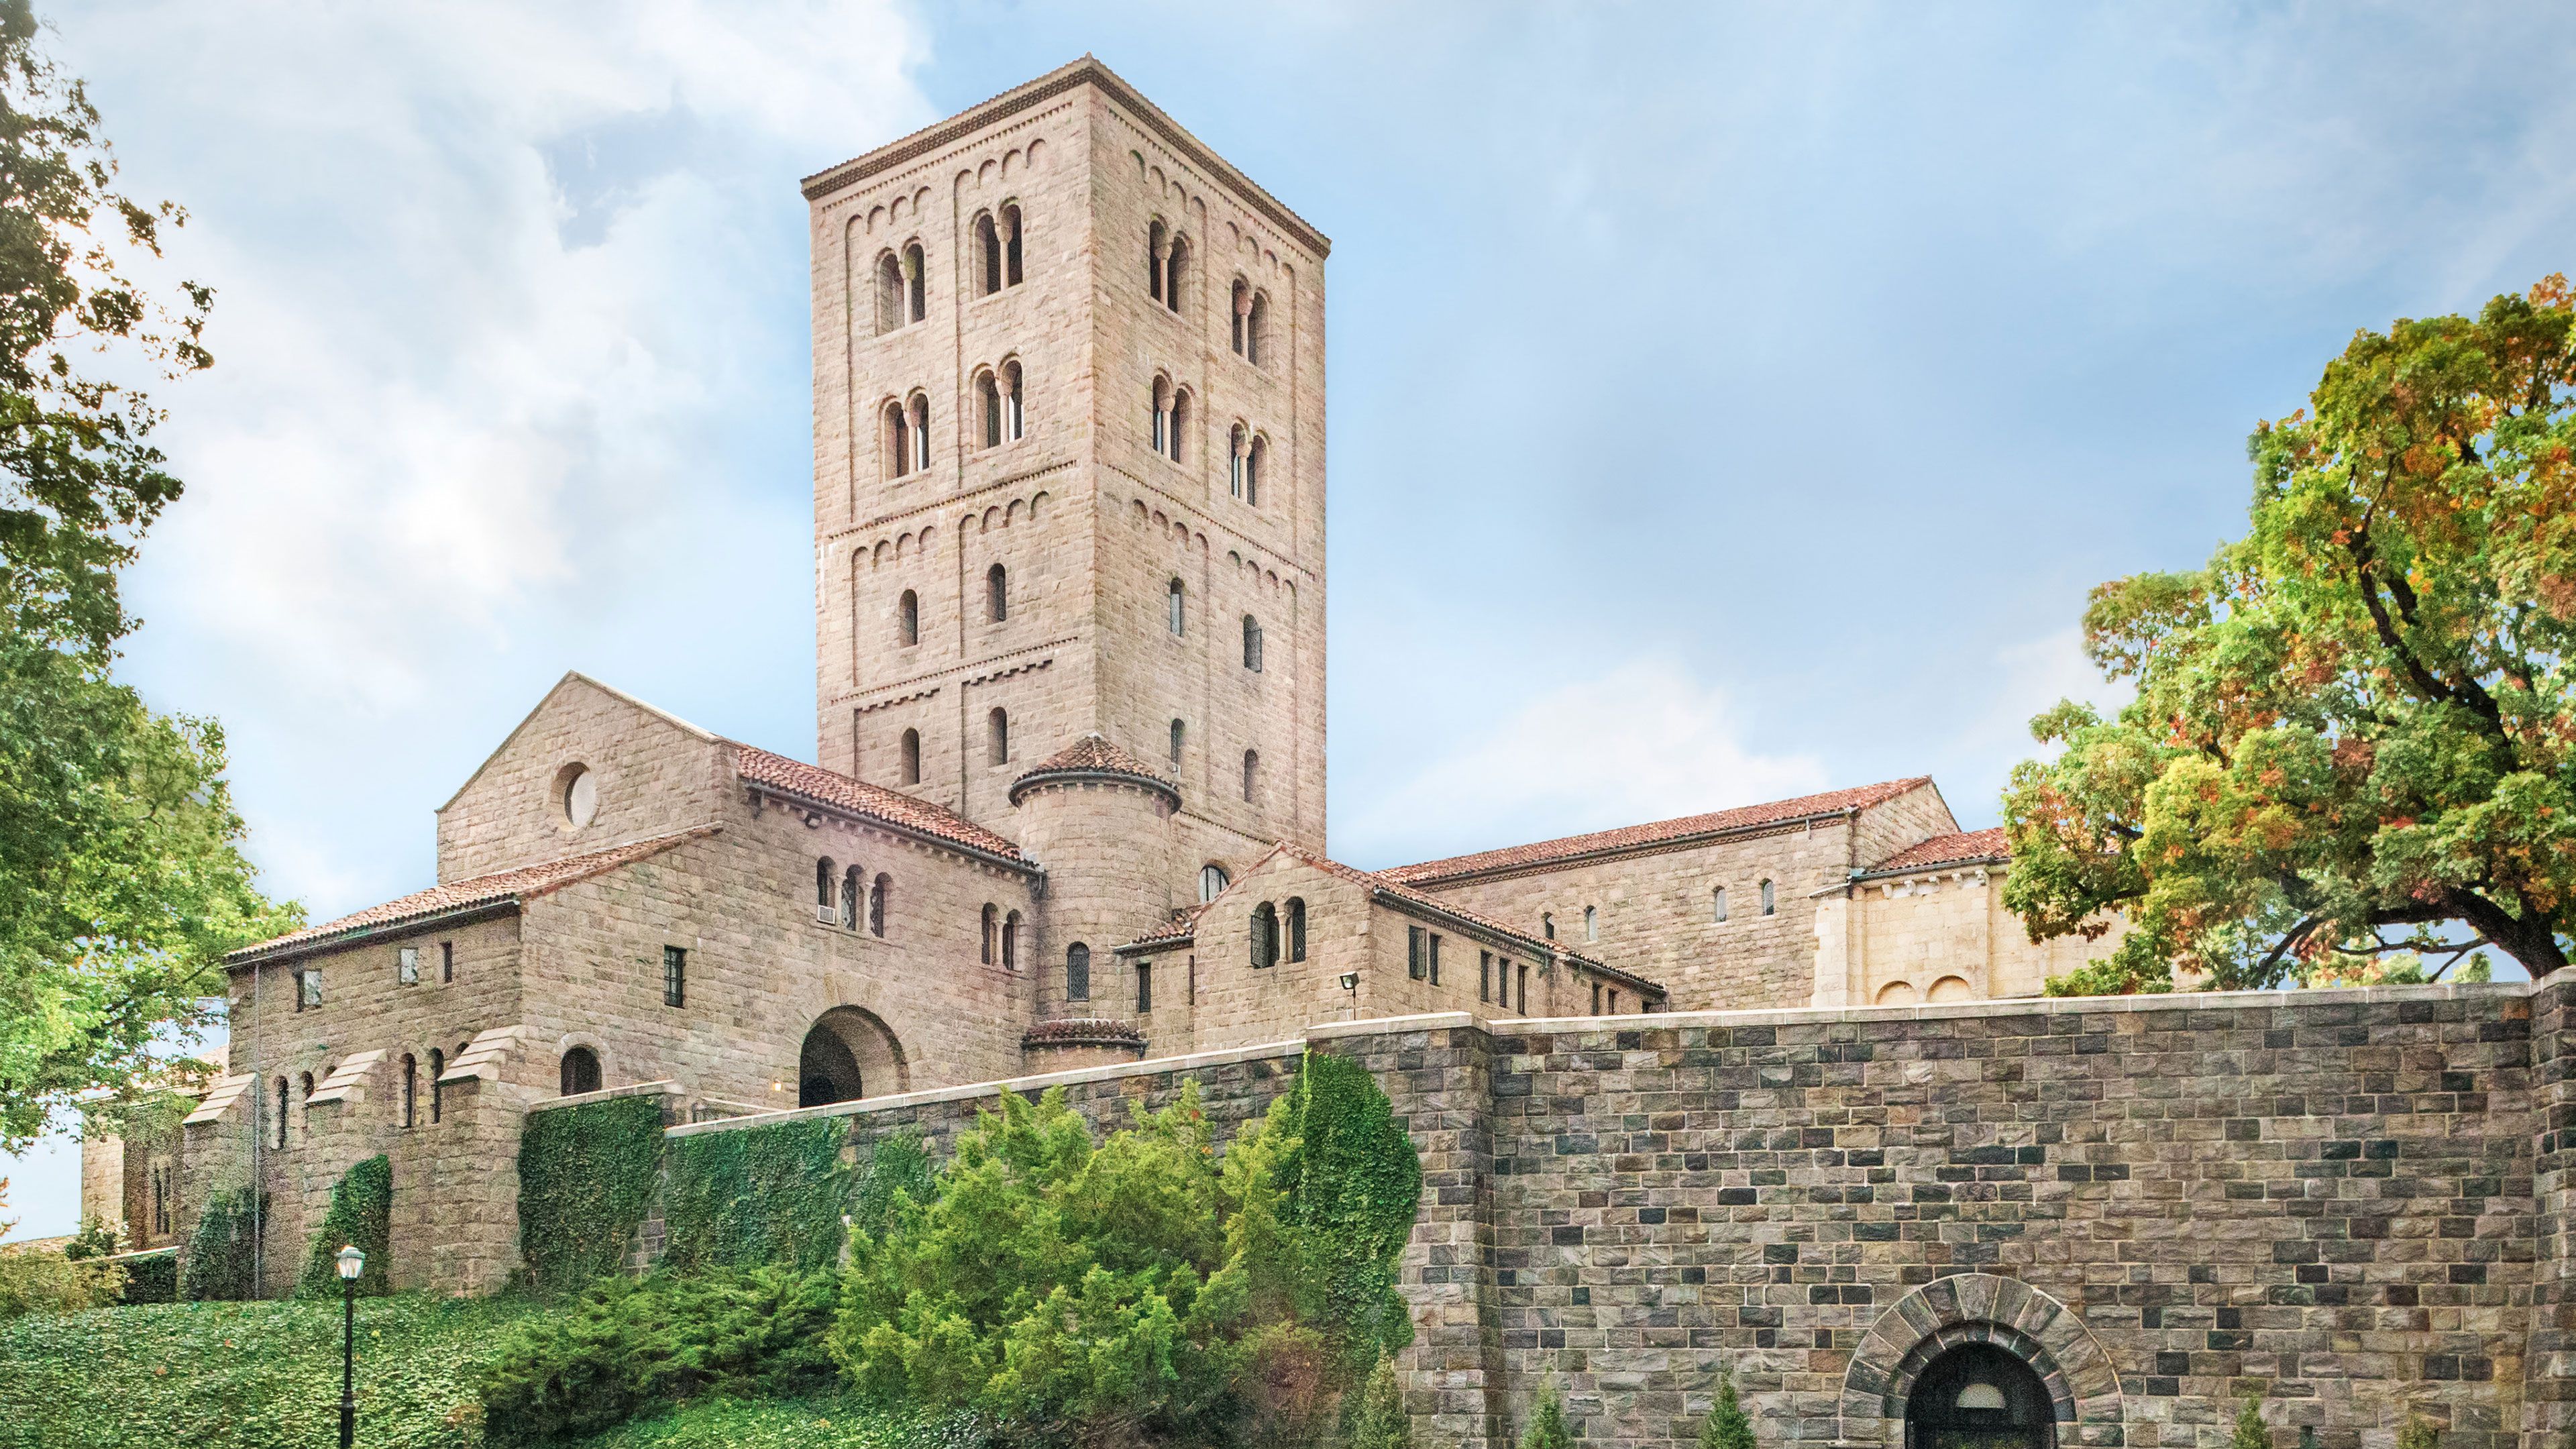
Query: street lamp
(352, 1263)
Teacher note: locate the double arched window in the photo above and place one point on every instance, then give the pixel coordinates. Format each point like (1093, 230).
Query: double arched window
(907, 435)
(997, 248)
(1171, 417)
(1243, 473)
(1174, 610)
(912, 757)
(997, 594)
(903, 294)
(1251, 311)
(907, 619)
(1265, 936)
(1252, 643)
(998, 743)
(1001, 410)
(1166, 264)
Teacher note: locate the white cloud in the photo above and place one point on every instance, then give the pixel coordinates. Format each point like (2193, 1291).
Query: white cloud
(1645, 741)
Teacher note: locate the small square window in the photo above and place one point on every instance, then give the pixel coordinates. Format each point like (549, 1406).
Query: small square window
(407, 965)
(675, 976)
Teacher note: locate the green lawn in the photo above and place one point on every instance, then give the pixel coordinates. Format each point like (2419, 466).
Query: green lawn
(267, 1376)
(253, 1375)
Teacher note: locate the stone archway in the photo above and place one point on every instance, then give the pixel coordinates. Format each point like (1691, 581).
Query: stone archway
(1981, 1308)
(848, 1054)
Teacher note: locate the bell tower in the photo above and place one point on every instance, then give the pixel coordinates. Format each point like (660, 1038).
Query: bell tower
(1069, 464)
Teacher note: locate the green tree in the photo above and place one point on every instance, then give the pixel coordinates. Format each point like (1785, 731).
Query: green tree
(2352, 750)
(1726, 1426)
(2251, 1431)
(1380, 1421)
(1547, 1427)
(121, 878)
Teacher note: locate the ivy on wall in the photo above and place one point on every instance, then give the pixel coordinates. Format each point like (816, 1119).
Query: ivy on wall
(771, 1194)
(585, 1179)
(222, 1251)
(1352, 1186)
(362, 1204)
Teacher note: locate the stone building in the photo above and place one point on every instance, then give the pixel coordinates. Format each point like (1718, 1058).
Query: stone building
(1067, 803)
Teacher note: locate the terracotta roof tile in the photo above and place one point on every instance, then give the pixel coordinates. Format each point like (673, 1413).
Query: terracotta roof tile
(1944, 849)
(1179, 928)
(1093, 755)
(1742, 817)
(1083, 1031)
(518, 885)
(830, 787)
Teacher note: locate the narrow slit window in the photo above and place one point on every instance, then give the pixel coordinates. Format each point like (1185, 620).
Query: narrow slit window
(1154, 250)
(1175, 607)
(1251, 775)
(1296, 928)
(998, 744)
(851, 890)
(675, 976)
(1253, 457)
(1077, 972)
(407, 965)
(907, 619)
(992, 930)
(1719, 895)
(1265, 936)
(1237, 456)
(446, 962)
(1435, 958)
(1413, 951)
(997, 593)
(1174, 270)
(1239, 314)
(1176, 742)
(823, 889)
(912, 757)
(1011, 942)
(1256, 330)
(437, 1091)
(1144, 988)
(1011, 246)
(1770, 903)
(889, 293)
(411, 1088)
(1251, 644)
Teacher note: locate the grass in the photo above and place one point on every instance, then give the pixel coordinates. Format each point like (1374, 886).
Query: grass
(246, 1375)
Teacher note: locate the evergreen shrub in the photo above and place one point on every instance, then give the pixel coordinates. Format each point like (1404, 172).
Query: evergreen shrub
(1726, 1426)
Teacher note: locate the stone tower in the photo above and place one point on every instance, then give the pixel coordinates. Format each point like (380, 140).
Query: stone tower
(1069, 465)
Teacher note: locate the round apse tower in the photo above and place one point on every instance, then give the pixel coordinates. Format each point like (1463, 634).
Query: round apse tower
(1100, 821)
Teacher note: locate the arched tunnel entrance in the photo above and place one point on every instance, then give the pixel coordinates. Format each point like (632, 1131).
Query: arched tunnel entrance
(848, 1054)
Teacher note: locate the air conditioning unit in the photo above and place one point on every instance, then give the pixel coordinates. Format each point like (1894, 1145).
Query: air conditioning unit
(827, 915)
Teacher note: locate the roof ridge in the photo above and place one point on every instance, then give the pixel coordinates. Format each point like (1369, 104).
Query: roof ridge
(1734, 817)
(865, 797)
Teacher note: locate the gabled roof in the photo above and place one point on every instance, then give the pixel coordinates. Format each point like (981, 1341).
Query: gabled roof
(857, 797)
(1571, 848)
(1093, 757)
(500, 891)
(1981, 847)
(1183, 926)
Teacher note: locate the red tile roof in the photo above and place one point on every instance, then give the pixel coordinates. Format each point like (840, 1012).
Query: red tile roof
(1181, 927)
(1945, 849)
(1093, 755)
(512, 887)
(1083, 1031)
(830, 787)
(1631, 837)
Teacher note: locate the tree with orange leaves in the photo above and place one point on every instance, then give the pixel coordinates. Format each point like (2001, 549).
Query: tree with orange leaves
(2352, 751)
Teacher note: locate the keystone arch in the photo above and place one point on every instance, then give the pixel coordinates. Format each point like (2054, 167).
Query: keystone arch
(2083, 1388)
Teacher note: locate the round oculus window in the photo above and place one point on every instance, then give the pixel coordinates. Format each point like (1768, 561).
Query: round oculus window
(580, 796)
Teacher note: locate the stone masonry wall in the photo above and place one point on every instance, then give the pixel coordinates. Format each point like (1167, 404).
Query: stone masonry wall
(2326, 1199)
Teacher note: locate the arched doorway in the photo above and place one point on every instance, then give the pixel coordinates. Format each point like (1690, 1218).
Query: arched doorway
(848, 1054)
(1977, 1396)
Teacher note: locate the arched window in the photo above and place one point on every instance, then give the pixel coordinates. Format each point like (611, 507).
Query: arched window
(823, 889)
(998, 741)
(1175, 612)
(1212, 881)
(988, 252)
(1162, 401)
(1251, 644)
(580, 1071)
(437, 1092)
(1174, 271)
(988, 408)
(1011, 942)
(1180, 422)
(1296, 928)
(1253, 460)
(304, 1100)
(877, 906)
(916, 277)
(992, 930)
(1077, 972)
(411, 1087)
(1770, 904)
(1015, 415)
(912, 757)
(997, 593)
(1238, 451)
(1256, 330)
(1547, 925)
(889, 294)
(281, 1114)
(1265, 936)
(1720, 896)
(898, 440)
(919, 411)
(1176, 742)
(851, 890)
(907, 619)
(1011, 246)
(1157, 244)
(1251, 774)
(1591, 924)
(1239, 313)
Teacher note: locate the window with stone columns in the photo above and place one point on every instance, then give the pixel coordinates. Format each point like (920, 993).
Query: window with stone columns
(1255, 454)
(1167, 256)
(1161, 401)
(989, 268)
(907, 436)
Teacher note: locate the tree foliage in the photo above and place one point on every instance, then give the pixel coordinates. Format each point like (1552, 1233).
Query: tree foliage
(121, 878)
(2352, 750)
(1547, 1428)
(1380, 1422)
(1726, 1426)
(2251, 1431)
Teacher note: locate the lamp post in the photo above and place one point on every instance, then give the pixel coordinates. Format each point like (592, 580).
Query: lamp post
(352, 1263)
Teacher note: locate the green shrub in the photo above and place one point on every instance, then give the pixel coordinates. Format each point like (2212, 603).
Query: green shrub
(2418, 1432)
(1726, 1426)
(626, 1347)
(362, 1203)
(222, 1252)
(52, 1283)
(1547, 1427)
(96, 1239)
(757, 1195)
(586, 1176)
(151, 1277)
(2251, 1431)
(1381, 1422)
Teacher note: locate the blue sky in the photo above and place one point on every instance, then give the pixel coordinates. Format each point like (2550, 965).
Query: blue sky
(1726, 401)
